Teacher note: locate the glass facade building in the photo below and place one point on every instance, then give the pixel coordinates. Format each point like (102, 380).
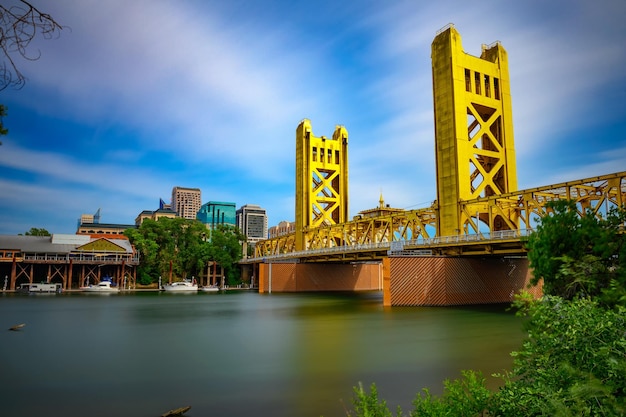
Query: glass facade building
(215, 213)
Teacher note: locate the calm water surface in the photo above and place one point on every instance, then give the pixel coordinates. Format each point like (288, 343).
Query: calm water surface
(235, 354)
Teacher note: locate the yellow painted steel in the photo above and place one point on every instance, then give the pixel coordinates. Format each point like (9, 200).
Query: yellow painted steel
(478, 209)
(475, 155)
(595, 195)
(321, 181)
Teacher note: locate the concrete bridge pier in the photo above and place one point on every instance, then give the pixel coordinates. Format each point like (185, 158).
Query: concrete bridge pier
(447, 281)
(300, 277)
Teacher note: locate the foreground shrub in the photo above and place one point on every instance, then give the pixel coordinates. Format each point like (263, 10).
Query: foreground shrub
(572, 364)
(464, 397)
(369, 405)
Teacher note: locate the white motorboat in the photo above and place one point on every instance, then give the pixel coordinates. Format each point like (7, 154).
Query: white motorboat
(181, 286)
(210, 288)
(101, 287)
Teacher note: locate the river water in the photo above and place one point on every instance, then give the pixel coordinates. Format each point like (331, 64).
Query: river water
(235, 354)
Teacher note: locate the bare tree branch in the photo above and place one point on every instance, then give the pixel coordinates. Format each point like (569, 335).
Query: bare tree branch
(19, 25)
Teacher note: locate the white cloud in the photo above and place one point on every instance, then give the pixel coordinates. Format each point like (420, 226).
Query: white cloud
(55, 168)
(190, 85)
(205, 97)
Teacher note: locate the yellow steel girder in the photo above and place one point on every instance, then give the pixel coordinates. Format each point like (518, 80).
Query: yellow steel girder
(475, 161)
(475, 152)
(595, 195)
(406, 225)
(321, 180)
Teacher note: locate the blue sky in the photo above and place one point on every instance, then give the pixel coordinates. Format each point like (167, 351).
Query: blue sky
(137, 97)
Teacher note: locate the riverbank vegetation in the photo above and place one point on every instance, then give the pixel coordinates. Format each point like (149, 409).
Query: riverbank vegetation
(181, 248)
(573, 362)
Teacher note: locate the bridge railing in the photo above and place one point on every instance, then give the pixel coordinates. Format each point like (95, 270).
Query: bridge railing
(398, 246)
(477, 237)
(100, 258)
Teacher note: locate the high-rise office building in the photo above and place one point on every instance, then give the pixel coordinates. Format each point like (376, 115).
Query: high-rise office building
(215, 213)
(186, 202)
(252, 221)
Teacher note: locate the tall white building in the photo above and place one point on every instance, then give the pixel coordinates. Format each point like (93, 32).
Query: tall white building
(186, 202)
(252, 221)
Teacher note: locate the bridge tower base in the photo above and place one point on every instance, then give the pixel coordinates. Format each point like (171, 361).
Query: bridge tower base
(297, 277)
(445, 281)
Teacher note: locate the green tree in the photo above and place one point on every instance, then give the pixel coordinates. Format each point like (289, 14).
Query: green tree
(191, 248)
(226, 250)
(173, 248)
(183, 248)
(580, 255)
(34, 231)
(148, 240)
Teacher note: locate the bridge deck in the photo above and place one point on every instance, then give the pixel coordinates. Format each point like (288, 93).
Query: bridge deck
(509, 242)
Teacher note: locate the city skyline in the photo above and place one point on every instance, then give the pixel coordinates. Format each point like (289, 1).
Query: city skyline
(132, 100)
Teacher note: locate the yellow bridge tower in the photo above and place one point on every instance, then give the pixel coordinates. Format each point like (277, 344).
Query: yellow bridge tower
(321, 180)
(475, 153)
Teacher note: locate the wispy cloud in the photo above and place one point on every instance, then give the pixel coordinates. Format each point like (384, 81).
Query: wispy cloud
(209, 95)
(55, 168)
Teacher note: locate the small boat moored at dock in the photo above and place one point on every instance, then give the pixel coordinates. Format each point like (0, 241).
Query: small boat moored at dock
(210, 288)
(181, 286)
(35, 288)
(101, 287)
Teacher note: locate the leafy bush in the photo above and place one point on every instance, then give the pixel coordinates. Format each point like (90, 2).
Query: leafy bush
(572, 364)
(465, 397)
(369, 405)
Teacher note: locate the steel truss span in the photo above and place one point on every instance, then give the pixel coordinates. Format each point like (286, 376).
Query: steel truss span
(477, 210)
(500, 226)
